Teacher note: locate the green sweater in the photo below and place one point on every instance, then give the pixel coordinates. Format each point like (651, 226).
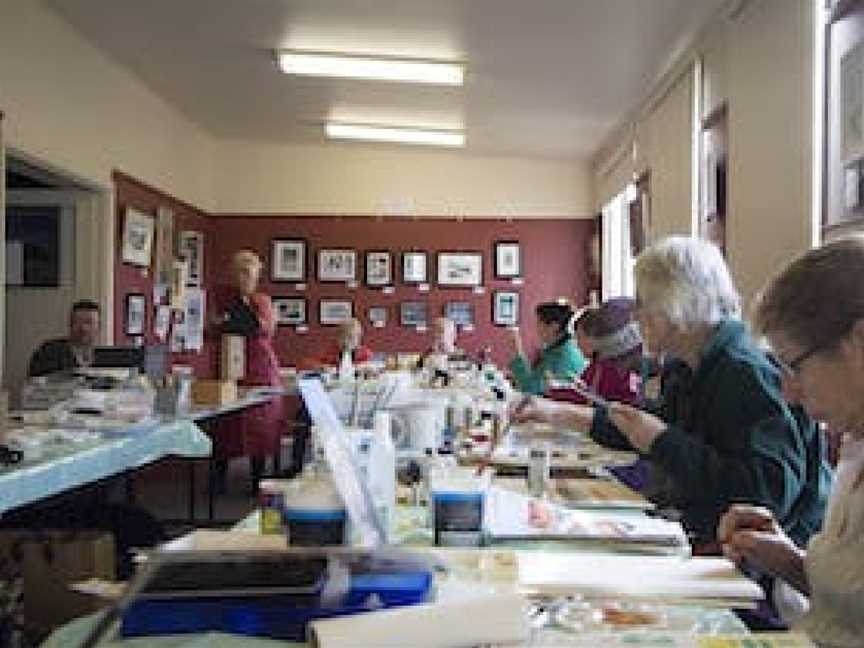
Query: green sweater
(732, 438)
(563, 359)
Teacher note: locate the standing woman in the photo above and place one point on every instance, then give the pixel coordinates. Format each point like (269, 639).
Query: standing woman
(244, 311)
(559, 357)
(813, 316)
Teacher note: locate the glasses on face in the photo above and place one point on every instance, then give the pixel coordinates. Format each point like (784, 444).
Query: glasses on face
(792, 368)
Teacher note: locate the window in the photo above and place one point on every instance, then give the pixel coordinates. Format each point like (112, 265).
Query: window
(617, 257)
(33, 245)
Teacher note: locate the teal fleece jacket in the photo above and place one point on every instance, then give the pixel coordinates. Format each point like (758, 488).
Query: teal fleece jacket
(732, 438)
(562, 359)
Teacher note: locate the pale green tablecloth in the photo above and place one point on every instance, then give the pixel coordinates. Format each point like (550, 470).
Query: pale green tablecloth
(66, 466)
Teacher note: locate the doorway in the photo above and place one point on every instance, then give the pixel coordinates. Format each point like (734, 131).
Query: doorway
(55, 249)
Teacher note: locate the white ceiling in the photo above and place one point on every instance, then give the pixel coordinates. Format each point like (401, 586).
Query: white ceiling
(545, 78)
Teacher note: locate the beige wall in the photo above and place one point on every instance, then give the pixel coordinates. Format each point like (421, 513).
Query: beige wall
(348, 179)
(68, 105)
(760, 63)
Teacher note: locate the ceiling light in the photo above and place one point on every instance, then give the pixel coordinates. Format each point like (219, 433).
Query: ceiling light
(368, 67)
(395, 134)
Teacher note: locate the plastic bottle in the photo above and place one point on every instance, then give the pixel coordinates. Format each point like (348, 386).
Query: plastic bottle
(382, 472)
(346, 367)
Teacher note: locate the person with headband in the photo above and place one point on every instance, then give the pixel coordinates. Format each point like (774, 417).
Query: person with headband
(723, 431)
(813, 317)
(559, 357)
(243, 310)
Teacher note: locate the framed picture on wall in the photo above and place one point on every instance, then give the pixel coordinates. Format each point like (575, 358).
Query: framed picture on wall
(378, 316)
(289, 310)
(332, 312)
(337, 265)
(161, 322)
(136, 310)
(413, 314)
(460, 269)
(379, 268)
(288, 260)
(460, 313)
(164, 243)
(505, 308)
(508, 259)
(415, 267)
(190, 246)
(138, 232)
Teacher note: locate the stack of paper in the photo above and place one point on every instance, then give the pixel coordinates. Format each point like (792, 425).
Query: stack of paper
(615, 576)
(511, 515)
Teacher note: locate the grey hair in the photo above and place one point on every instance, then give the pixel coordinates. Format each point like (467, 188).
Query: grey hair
(687, 280)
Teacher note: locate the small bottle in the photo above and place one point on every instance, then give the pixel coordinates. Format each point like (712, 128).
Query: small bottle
(346, 367)
(538, 471)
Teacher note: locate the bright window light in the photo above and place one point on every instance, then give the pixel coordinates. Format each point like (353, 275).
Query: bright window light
(373, 68)
(392, 134)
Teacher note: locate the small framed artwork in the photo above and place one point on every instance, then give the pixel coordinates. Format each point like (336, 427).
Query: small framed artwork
(505, 308)
(337, 265)
(136, 309)
(508, 259)
(190, 246)
(290, 311)
(378, 316)
(164, 244)
(138, 232)
(379, 268)
(288, 260)
(413, 313)
(332, 312)
(415, 267)
(460, 269)
(460, 313)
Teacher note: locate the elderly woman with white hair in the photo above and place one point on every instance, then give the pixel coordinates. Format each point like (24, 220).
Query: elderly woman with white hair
(722, 432)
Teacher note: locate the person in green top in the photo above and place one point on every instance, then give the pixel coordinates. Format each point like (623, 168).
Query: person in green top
(559, 356)
(722, 431)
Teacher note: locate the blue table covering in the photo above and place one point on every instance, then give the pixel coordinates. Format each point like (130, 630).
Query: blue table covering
(68, 466)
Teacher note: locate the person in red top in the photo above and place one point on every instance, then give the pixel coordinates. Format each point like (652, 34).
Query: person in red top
(242, 310)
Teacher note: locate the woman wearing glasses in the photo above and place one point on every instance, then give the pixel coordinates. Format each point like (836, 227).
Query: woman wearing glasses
(820, 348)
(723, 432)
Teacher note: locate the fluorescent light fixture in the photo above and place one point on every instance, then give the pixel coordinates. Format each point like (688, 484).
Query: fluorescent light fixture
(368, 67)
(422, 136)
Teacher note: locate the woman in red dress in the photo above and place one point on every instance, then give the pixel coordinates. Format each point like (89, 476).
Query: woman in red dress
(242, 310)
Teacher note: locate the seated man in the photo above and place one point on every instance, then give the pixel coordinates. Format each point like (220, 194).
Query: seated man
(65, 354)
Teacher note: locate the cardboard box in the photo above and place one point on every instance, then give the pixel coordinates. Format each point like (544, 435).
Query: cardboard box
(232, 360)
(48, 562)
(214, 392)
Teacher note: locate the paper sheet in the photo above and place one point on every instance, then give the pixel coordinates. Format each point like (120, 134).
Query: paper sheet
(498, 619)
(621, 576)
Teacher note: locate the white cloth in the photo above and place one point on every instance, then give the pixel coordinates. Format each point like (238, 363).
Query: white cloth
(835, 559)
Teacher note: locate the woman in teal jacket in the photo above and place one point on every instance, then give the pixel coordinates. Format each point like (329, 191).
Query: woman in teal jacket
(559, 357)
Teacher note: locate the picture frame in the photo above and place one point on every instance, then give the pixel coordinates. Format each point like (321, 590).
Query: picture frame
(287, 260)
(377, 316)
(164, 244)
(505, 308)
(415, 267)
(290, 311)
(138, 233)
(413, 314)
(190, 246)
(332, 312)
(461, 313)
(379, 268)
(337, 264)
(193, 318)
(136, 314)
(161, 322)
(852, 105)
(460, 269)
(508, 259)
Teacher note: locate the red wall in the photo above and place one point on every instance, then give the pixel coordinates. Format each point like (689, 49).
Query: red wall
(553, 265)
(131, 279)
